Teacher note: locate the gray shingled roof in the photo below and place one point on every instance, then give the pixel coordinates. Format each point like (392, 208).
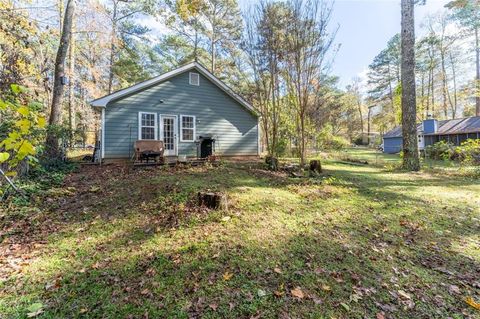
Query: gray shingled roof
(397, 131)
(458, 126)
(445, 127)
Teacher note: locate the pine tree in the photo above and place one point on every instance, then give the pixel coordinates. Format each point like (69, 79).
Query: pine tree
(409, 108)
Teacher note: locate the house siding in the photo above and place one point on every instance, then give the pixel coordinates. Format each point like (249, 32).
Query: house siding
(234, 128)
(392, 145)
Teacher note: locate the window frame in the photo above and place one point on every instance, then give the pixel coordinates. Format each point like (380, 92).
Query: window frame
(190, 78)
(194, 128)
(155, 126)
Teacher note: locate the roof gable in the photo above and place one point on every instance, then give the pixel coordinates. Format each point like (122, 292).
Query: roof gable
(103, 101)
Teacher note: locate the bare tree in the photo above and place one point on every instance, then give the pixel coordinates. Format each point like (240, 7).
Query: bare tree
(355, 88)
(309, 41)
(265, 48)
(409, 108)
(467, 13)
(52, 146)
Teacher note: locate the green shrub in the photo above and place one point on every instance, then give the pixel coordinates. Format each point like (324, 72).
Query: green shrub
(335, 143)
(440, 151)
(468, 152)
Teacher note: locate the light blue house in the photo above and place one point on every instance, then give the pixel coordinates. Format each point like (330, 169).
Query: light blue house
(432, 131)
(182, 108)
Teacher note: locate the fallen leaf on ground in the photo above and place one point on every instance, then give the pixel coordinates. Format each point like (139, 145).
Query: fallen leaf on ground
(35, 309)
(316, 300)
(403, 294)
(280, 291)
(277, 270)
(380, 315)
(453, 289)
(261, 293)
(94, 189)
(472, 303)
(326, 288)
(298, 293)
(213, 306)
(345, 306)
(227, 276)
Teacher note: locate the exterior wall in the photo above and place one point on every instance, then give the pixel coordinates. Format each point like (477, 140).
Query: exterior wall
(392, 145)
(217, 114)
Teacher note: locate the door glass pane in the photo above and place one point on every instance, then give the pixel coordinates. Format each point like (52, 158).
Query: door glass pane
(168, 134)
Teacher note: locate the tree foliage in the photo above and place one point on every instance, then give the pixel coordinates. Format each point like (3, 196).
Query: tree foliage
(21, 129)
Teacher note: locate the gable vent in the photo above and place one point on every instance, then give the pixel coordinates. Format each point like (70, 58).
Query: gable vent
(194, 78)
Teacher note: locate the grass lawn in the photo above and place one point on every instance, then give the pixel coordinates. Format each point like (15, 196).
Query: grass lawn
(368, 154)
(359, 241)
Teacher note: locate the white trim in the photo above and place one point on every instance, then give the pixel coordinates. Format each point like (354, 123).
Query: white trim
(103, 101)
(155, 127)
(180, 128)
(190, 78)
(102, 137)
(175, 131)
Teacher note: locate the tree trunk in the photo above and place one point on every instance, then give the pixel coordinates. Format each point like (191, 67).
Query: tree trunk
(112, 48)
(71, 84)
(368, 125)
(454, 78)
(52, 146)
(213, 200)
(302, 137)
(445, 93)
(359, 104)
(213, 39)
(315, 166)
(213, 58)
(60, 16)
(409, 109)
(195, 45)
(477, 78)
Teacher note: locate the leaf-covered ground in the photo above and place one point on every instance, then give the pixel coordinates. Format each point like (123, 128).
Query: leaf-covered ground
(357, 242)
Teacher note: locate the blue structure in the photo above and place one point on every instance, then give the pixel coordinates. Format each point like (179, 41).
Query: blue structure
(431, 131)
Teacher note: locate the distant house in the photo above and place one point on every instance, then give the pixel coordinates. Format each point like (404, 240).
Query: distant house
(182, 108)
(431, 131)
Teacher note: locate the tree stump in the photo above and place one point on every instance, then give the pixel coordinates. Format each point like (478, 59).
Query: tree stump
(272, 163)
(315, 166)
(213, 200)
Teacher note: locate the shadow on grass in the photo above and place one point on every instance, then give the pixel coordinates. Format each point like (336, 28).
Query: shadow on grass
(129, 263)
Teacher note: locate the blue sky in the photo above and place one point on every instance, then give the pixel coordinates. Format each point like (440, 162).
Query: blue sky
(365, 28)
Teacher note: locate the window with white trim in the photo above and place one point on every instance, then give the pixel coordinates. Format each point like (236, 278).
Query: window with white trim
(194, 78)
(187, 128)
(147, 126)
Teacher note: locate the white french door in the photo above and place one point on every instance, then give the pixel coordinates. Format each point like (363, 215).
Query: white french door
(168, 134)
